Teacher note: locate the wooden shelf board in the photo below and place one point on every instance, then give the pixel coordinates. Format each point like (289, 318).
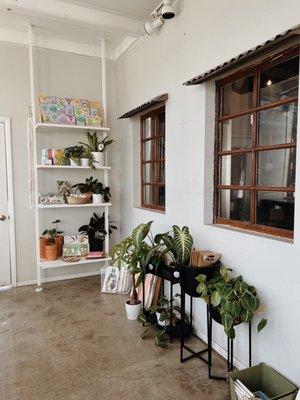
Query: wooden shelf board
(59, 263)
(87, 205)
(41, 128)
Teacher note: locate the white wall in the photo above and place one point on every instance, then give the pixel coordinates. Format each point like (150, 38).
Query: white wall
(61, 74)
(203, 35)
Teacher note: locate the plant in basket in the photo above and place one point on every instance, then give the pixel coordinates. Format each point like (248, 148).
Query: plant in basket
(232, 300)
(96, 231)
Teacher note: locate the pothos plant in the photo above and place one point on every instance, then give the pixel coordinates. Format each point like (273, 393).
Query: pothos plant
(233, 298)
(135, 252)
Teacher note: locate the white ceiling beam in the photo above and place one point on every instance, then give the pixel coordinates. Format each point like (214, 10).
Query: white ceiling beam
(75, 14)
(49, 43)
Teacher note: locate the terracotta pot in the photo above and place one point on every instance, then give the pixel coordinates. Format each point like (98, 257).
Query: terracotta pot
(59, 245)
(51, 252)
(43, 241)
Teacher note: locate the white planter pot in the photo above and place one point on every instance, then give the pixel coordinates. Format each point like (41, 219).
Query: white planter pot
(97, 198)
(85, 162)
(99, 158)
(133, 311)
(73, 163)
(162, 323)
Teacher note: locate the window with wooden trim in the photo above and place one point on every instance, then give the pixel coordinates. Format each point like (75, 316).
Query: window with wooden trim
(255, 162)
(153, 159)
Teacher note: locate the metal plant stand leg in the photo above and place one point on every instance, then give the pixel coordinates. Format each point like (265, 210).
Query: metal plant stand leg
(171, 312)
(144, 296)
(250, 344)
(182, 302)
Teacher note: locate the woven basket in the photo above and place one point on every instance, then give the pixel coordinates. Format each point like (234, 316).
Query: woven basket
(77, 200)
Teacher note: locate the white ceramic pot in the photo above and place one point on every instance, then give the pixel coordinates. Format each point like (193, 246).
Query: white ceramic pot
(73, 163)
(99, 158)
(85, 162)
(162, 323)
(133, 311)
(97, 198)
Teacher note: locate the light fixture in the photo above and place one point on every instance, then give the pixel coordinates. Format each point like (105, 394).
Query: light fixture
(168, 10)
(269, 82)
(151, 26)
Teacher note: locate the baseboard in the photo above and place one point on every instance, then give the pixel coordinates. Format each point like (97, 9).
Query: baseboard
(60, 278)
(219, 349)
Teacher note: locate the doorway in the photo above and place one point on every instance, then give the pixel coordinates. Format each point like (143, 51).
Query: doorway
(7, 226)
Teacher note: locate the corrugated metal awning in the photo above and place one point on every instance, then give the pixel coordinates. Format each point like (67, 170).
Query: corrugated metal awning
(149, 104)
(243, 57)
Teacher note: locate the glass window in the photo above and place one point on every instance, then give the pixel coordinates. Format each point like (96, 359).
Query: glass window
(256, 156)
(153, 159)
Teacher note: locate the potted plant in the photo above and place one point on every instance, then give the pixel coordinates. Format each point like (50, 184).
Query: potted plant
(134, 252)
(96, 231)
(100, 193)
(97, 147)
(232, 301)
(163, 311)
(53, 242)
(87, 159)
(73, 154)
(85, 188)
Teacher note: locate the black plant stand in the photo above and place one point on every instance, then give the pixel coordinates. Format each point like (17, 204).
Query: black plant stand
(167, 273)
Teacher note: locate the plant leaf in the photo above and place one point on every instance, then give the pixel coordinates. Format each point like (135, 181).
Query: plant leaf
(139, 233)
(262, 325)
(215, 298)
(183, 243)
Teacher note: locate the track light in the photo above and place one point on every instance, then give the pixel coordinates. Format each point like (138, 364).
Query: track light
(168, 10)
(151, 26)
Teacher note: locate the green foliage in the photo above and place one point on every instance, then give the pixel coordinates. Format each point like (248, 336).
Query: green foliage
(87, 186)
(74, 153)
(233, 298)
(178, 246)
(52, 233)
(97, 188)
(96, 226)
(95, 144)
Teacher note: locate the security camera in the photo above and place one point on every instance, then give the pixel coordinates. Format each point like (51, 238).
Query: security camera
(168, 10)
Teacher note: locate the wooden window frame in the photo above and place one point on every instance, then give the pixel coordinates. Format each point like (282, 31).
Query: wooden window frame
(254, 149)
(154, 184)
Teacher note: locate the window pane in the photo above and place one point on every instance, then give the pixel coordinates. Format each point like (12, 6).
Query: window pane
(236, 169)
(277, 167)
(280, 81)
(161, 196)
(161, 124)
(160, 172)
(275, 209)
(237, 96)
(237, 133)
(160, 142)
(234, 204)
(148, 128)
(148, 150)
(149, 194)
(149, 173)
(278, 125)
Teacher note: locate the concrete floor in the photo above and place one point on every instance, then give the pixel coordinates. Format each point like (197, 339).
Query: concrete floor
(72, 343)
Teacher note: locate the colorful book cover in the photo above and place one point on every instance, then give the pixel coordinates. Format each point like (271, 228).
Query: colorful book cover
(77, 245)
(111, 279)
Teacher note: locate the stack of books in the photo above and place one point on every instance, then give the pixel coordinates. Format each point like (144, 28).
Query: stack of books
(243, 393)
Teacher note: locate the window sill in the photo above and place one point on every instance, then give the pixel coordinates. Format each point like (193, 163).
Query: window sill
(150, 209)
(252, 233)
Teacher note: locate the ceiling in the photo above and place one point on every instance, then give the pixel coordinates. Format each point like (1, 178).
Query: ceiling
(133, 8)
(119, 22)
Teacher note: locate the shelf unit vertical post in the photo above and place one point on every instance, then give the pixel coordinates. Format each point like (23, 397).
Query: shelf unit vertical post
(33, 111)
(104, 104)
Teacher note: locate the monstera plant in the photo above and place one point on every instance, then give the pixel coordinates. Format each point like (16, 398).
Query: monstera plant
(232, 298)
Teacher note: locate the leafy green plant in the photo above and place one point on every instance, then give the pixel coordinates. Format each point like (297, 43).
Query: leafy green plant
(85, 187)
(97, 188)
(233, 298)
(178, 246)
(52, 233)
(94, 144)
(73, 153)
(88, 154)
(96, 226)
(163, 307)
(133, 252)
